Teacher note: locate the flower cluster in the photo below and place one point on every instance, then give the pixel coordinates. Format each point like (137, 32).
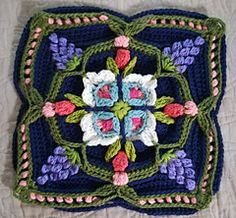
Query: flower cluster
(180, 168)
(182, 54)
(58, 167)
(62, 51)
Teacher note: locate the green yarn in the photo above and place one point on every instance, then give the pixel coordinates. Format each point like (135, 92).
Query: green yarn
(76, 116)
(163, 101)
(76, 100)
(130, 150)
(163, 118)
(129, 68)
(121, 109)
(111, 65)
(113, 150)
(73, 63)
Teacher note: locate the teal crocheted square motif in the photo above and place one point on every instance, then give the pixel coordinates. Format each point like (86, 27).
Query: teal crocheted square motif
(119, 111)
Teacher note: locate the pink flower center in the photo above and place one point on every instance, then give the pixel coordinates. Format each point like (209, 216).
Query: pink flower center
(104, 92)
(105, 125)
(137, 123)
(136, 93)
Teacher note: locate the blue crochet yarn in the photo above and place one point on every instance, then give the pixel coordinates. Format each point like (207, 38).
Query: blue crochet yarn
(42, 143)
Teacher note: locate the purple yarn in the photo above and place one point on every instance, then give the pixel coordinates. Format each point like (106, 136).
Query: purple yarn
(182, 68)
(66, 165)
(184, 52)
(56, 168)
(53, 177)
(62, 51)
(61, 159)
(59, 150)
(45, 169)
(194, 51)
(176, 46)
(199, 41)
(190, 184)
(180, 153)
(61, 66)
(172, 174)
(187, 162)
(190, 173)
(41, 180)
(74, 170)
(63, 174)
(62, 41)
(51, 160)
(53, 38)
(177, 162)
(163, 168)
(188, 43)
(179, 61)
(174, 55)
(180, 179)
(179, 170)
(53, 47)
(189, 60)
(167, 51)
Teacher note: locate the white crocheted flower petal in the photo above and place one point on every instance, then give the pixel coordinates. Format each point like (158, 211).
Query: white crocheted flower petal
(91, 80)
(98, 140)
(90, 135)
(147, 82)
(149, 136)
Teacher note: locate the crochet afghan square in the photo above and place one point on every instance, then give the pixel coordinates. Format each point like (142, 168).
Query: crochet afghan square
(119, 111)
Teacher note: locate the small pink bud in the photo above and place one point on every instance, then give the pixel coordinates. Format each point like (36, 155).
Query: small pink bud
(33, 44)
(59, 199)
(27, 71)
(88, 199)
(190, 108)
(122, 58)
(174, 110)
(64, 107)
(50, 21)
(120, 178)
(32, 196)
(23, 183)
(69, 200)
(68, 21)
(142, 202)
(24, 147)
(94, 19)
(48, 109)
(121, 41)
(79, 199)
(77, 20)
(38, 30)
(59, 21)
(22, 128)
(177, 198)
(86, 20)
(103, 17)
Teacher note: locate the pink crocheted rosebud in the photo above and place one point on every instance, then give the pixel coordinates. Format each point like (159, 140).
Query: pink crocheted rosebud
(121, 41)
(48, 109)
(120, 162)
(174, 110)
(64, 107)
(190, 108)
(122, 58)
(120, 178)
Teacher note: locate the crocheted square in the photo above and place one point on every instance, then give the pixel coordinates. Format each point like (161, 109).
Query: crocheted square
(119, 111)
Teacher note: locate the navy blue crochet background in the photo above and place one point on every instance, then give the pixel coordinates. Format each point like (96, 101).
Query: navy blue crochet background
(43, 144)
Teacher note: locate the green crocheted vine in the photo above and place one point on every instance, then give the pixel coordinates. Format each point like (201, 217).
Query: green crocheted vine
(77, 67)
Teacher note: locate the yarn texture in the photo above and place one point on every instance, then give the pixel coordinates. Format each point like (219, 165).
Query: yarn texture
(119, 111)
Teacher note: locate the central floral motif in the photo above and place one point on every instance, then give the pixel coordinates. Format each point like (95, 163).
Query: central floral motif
(119, 108)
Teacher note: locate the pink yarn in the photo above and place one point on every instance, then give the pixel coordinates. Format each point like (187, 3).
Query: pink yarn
(64, 107)
(190, 108)
(174, 110)
(105, 125)
(120, 178)
(136, 93)
(48, 109)
(120, 162)
(103, 92)
(122, 58)
(137, 123)
(121, 41)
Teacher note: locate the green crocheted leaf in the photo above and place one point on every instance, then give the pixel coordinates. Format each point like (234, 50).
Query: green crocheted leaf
(33, 114)
(111, 65)
(35, 97)
(73, 63)
(129, 68)
(76, 116)
(167, 65)
(75, 100)
(73, 156)
(163, 118)
(130, 150)
(168, 156)
(112, 150)
(163, 101)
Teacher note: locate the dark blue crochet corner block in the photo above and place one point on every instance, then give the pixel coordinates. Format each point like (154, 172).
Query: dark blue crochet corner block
(197, 75)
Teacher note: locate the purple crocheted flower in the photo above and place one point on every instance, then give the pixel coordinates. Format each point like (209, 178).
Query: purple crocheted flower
(190, 184)
(183, 54)
(62, 51)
